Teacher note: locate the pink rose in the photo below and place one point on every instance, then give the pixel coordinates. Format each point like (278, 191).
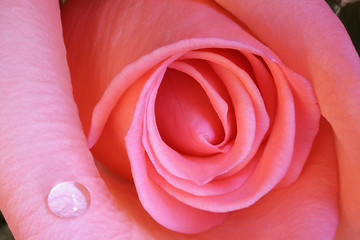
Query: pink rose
(208, 112)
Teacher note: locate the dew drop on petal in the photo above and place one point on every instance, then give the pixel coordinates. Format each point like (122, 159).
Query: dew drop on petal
(68, 199)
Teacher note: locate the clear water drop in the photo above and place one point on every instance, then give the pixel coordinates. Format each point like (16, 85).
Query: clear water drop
(69, 199)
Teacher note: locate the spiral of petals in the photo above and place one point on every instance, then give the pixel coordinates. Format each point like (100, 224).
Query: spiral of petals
(210, 123)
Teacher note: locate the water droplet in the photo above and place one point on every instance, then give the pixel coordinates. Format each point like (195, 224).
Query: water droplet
(69, 199)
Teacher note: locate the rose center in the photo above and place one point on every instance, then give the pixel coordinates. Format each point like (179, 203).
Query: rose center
(186, 119)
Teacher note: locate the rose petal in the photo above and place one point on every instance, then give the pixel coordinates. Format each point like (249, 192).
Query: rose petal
(41, 141)
(308, 209)
(233, 38)
(327, 58)
(200, 169)
(216, 91)
(163, 208)
(182, 104)
(274, 162)
(231, 67)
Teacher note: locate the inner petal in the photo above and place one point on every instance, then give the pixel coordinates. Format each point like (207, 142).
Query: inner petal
(202, 72)
(182, 105)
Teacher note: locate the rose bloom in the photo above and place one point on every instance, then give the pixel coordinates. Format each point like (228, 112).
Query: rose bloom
(208, 119)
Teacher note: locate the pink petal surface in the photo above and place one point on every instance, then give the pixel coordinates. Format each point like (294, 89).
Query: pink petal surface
(183, 105)
(217, 93)
(41, 141)
(205, 203)
(184, 170)
(330, 62)
(200, 169)
(286, 213)
(163, 208)
(33, 130)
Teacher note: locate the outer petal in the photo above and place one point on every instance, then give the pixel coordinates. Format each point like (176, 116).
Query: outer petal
(325, 56)
(41, 139)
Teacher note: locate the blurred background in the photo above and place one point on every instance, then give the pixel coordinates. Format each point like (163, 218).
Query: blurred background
(347, 10)
(349, 13)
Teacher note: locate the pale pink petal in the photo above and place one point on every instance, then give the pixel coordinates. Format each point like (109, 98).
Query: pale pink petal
(41, 141)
